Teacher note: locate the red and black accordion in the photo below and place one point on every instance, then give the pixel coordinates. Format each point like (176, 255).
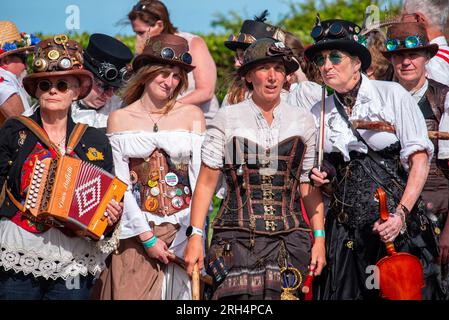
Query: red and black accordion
(74, 193)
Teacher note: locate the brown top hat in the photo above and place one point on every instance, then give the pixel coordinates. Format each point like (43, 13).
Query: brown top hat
(166, 49)
(14, 42)
(408, 37)
(58, 56)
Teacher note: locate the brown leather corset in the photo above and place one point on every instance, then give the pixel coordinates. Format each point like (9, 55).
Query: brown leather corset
(262, 195)
(159, 185)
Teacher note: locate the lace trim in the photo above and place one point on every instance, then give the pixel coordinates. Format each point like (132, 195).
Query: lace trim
(51, 267)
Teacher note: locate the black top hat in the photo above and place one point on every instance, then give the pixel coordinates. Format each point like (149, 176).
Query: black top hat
(265, 50)
(253, 30)
(341, 35)
(107, 58)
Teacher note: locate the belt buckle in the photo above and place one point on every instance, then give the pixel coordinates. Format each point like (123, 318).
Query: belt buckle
(267, 186)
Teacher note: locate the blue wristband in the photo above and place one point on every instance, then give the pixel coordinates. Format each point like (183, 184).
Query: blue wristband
(318, 233)
(150, 242)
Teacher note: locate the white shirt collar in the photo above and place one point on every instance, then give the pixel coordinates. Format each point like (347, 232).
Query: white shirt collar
(441, 41)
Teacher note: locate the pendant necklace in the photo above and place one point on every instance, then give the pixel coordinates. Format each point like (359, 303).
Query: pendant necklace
(155, 126)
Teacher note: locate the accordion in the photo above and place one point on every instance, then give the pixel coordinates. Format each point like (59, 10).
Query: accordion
(73, 193)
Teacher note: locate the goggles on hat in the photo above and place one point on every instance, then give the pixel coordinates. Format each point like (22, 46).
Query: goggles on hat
(108, 71)
(169, 54)
(242, 37)
(408, 43)
(335, 30)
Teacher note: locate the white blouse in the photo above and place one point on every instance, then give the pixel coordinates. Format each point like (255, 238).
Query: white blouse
(377, 101)
(305, 94)
(246, 120)
(180, 145)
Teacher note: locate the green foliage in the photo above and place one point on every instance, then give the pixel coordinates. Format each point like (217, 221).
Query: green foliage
(299, 20)
(302, 15)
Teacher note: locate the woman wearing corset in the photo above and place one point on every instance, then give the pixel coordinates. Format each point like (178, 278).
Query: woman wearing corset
(150, 18)
(265, 149)
(156, 144)
(363, 160)
(38, 260)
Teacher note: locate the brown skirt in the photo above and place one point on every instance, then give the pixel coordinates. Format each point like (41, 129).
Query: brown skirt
(132, 274)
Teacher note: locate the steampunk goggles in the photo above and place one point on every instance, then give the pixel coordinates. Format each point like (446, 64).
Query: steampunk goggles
(410, 42)
(169, 54)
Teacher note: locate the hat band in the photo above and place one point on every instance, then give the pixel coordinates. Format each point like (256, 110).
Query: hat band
(242, 37)
(26, 41)
(410, 42)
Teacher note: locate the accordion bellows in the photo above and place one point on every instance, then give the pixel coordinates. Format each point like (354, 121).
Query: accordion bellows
(73, 192)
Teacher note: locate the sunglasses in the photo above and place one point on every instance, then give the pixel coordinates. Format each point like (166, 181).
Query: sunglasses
(169, 53)
(335, 57)
(46, 85)
(408, 43)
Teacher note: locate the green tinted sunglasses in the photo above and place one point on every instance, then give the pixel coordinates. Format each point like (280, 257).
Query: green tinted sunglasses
(335, 57)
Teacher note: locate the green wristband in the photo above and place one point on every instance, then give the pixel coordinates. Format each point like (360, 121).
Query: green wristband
(150, 242)
(318, 233)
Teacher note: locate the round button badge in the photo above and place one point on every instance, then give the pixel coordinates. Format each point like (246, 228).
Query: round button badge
(186, 190)
(171, 179)
(155, 191)
(154, 175)
(177, 203)
(171, 193)
(178, 192)
(151, 204)
(152, 183)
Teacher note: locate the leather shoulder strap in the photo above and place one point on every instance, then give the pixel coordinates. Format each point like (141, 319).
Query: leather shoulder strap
(75, 136)
(38, 132)
(436, 95)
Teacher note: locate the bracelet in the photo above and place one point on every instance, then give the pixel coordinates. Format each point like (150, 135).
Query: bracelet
(318, 233)
(147, 244)
(402, 210)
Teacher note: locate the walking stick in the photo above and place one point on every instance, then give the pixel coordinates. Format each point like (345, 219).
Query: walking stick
(196, 282)
(322, 128)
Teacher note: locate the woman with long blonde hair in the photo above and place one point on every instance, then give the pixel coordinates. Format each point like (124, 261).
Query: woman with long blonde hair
(156, 147)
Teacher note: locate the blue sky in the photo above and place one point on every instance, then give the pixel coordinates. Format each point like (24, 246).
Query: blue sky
(49, 16)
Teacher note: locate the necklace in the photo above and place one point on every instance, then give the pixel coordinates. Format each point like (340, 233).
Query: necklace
(155, 126)
(61, 145)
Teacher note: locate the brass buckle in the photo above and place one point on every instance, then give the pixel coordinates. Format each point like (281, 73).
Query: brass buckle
(266, 186)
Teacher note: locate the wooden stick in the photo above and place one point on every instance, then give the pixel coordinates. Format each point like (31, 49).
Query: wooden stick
(207, 279)
(386, 127)
(196, 282)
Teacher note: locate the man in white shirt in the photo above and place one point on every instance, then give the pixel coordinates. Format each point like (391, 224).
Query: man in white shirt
(107, 58)
(14, 47)
(434, 14)
(409, 64)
